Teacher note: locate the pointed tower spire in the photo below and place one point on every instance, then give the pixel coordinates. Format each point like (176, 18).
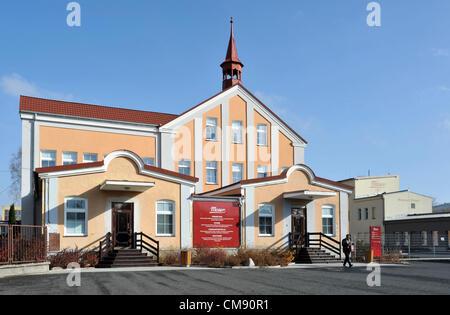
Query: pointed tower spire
(232, 66)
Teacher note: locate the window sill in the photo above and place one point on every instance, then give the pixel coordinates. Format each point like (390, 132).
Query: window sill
(212, 140)
(211, 184)
(165, 235)
(266, 235)
(75, 235)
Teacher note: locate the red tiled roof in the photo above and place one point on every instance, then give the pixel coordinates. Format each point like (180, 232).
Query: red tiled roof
(39, 105)
(101, 163)
(68, 167)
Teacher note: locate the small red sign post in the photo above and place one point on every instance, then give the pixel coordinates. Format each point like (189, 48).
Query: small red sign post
(216, 224)
(375, 241)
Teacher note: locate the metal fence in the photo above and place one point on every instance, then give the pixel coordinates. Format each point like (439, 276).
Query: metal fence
(20, 244)
(404, 245)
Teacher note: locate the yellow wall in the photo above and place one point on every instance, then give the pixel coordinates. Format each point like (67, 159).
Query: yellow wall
(87, 186)
(84, 141)
(184, 145)
(274, 194)
(212, 150)
(238, 152)
(286, 152)
(262, 153)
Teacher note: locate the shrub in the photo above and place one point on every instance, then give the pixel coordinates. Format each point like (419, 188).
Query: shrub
(267, 257)
(170, 258)
(12, 215)
(67, 256)
(209, 257)
(89, 259)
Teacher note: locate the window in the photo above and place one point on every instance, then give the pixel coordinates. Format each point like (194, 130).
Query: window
(75, 210)
(413, 206)
(149, 161)
(262, 134)
(237, 131)
(373, 213)
(359, 214)
(48, 158)
(265, 215)
(262, 171)
(211, 173)
(237, 172)
(211, 129)
(90, 157)
(424, 238)
(184, 167)
(366, 214)
(69, 158)
(328, 220)
(165, 218)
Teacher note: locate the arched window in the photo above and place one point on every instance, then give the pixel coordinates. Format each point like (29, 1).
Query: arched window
(165, 218)
(75, 216)
(328, 220)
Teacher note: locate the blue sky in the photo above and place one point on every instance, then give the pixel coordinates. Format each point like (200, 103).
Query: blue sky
(365, 98)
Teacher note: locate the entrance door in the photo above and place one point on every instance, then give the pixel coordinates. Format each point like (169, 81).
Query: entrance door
(122, 224)
(298, 227)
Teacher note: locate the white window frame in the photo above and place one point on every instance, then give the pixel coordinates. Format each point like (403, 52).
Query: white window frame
(266, 170)
(168, 213)
(48, 151)
(147, 160)
(211, 168)
(89, 161)
(183, 163)
(237, 128)
(333, 218)
(272, 219)
(241, 171)
(262, 135)
(85, 211)
(69, 152)
(210, 126)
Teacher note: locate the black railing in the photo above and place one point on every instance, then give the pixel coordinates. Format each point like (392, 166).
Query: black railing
(322, 240)
(141, 241)
(106, 246)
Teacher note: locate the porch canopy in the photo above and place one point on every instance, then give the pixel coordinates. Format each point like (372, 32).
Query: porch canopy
(308, 194)
(116, 185)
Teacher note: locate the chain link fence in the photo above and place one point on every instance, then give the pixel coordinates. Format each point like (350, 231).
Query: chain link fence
(404, 245)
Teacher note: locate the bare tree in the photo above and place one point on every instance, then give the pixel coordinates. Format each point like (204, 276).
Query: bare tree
(15, 169)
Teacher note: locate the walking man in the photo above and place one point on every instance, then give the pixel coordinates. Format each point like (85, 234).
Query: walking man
(347, 248)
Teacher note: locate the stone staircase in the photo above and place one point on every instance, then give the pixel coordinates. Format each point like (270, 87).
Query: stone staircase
(311, 255)
(121, 258)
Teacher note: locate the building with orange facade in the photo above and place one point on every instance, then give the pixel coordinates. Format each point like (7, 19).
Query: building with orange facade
(91, 170)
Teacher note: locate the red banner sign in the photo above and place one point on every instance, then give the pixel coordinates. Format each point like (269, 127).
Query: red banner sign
(216, 224)
(375, 240)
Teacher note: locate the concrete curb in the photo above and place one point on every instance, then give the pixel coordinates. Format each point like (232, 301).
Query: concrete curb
(24, 269)
(176, 268)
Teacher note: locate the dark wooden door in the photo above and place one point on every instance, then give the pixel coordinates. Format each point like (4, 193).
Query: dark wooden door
(299, 226)
(122, 224)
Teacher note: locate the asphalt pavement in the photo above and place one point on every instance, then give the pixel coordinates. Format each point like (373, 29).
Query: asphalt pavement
(415, 278)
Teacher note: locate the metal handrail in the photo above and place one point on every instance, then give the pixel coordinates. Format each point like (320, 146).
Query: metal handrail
(106, 246)
(141, 244)
(323, 241)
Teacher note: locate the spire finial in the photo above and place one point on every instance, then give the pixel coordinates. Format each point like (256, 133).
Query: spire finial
(232, 66)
